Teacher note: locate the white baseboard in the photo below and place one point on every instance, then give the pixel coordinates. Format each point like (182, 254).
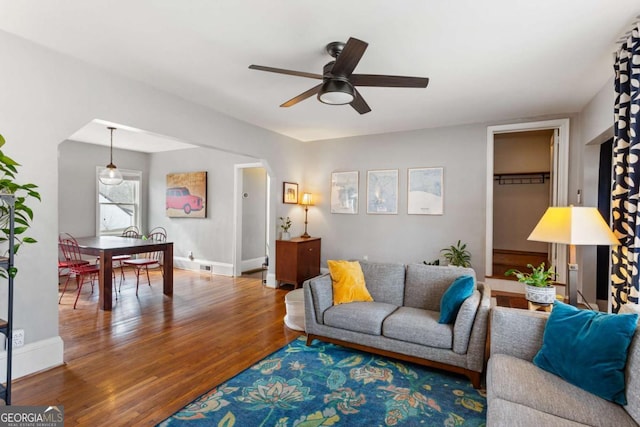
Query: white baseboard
(271, 280)
(203, 266)
(251, 264)
(34, 357)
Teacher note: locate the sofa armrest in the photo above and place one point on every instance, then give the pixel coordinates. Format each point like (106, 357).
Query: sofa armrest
(478, 338)
(464, 322)
(517, 332)
(318, 297)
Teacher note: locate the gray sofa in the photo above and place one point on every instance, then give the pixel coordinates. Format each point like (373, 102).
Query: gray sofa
(519, 394)
(402, 321)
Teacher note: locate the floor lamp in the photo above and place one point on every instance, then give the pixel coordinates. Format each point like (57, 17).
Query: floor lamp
(573, 226)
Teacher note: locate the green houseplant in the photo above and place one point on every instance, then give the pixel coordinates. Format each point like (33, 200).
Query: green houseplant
(24, 193)
(538, 283)
(457, 255)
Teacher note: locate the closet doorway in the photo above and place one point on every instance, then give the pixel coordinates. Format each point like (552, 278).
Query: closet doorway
(522, 164)
(527, 171)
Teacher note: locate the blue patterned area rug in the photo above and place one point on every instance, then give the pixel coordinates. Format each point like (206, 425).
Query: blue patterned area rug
(329, 385)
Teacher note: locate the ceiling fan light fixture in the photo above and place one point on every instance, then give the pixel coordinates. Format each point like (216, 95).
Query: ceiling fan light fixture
(110, 175)
(336, 92)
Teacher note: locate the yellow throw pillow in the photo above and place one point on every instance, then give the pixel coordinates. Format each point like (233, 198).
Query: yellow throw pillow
(348, 282)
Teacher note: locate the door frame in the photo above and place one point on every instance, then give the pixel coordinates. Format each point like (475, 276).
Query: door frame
(562, 174)
(237, 212)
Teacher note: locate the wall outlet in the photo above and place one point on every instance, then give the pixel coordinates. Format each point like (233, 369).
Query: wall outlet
(18, 338)
(365, 257)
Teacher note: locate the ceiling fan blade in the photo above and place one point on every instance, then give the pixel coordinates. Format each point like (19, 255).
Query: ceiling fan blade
(388, 81)
(283, 71)
(359, 104)
(349, 57)
(302, 96)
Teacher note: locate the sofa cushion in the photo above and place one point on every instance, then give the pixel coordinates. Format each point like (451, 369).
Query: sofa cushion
(502, 413)
(520, 381)
(385, 281)
(418, 326)
(425, 284)
(583, 334)
(454, 296)
(365, 317)
(348, 282)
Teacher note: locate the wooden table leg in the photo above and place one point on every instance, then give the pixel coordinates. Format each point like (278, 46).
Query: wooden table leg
(167, 265)
(106, 268)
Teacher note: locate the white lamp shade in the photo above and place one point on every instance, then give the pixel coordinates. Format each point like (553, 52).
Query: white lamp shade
(571, 225)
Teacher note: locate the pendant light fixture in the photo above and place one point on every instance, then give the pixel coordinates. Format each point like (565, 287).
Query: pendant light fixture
(111, 175)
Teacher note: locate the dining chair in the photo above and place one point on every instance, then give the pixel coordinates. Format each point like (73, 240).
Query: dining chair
(64, 263)
(77, 266)
(161, 230)
(151, 259)
(117, 260)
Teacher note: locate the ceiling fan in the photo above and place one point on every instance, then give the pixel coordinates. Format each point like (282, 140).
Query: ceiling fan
(338, 81)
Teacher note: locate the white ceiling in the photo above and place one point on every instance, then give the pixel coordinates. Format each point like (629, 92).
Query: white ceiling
(488, 61)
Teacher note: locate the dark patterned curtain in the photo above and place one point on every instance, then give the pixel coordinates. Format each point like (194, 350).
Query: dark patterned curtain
(626, 173)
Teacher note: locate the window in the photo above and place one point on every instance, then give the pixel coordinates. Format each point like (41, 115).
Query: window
(118, 205)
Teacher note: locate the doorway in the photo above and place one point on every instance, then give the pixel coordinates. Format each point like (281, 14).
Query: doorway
(252, 206)
(521, 194)
(557, 180)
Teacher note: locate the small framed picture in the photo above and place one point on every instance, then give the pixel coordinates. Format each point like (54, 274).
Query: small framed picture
(290, 193)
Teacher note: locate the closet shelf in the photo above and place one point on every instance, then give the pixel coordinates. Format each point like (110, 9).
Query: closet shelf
(521, 178)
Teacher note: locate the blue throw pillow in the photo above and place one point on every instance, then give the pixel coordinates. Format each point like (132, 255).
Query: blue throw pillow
(588, 349)
(461, 289)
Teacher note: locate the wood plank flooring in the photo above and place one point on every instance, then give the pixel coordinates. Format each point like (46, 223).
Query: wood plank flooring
(152, 354)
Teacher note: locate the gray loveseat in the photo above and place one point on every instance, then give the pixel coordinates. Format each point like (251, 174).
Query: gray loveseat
(519, 394)
(402, 321)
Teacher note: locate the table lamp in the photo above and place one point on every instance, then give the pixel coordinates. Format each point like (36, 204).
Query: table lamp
(307, 200)
(571, 225)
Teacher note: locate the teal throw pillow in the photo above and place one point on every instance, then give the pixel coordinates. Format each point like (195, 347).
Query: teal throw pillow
(588, 349)
(461, 289)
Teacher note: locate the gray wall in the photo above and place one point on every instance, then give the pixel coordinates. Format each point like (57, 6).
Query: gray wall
(77, 164)
(254, 182)
(460, 150)
(209, 238)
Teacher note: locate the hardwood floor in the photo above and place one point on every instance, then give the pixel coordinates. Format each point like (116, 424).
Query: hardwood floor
(151, 355)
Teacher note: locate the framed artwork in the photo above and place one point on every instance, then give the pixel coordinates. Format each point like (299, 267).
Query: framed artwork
(344, 192)
(187, 195)
(424, 191)
(290, 193)
(382, 191)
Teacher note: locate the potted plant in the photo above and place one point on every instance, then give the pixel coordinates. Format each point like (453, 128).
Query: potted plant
(538, 284)
(285, 225)
(23, 193)
(457, 255)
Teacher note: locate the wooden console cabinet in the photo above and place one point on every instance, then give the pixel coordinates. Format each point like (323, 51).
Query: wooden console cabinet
(297, 260)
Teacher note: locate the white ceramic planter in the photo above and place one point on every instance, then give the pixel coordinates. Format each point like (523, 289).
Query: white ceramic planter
(285, 235)
(540, 295)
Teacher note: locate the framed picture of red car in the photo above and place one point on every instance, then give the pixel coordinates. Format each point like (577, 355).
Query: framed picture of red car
(187, 195)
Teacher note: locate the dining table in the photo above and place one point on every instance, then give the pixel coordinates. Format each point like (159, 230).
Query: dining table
(106, 247)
